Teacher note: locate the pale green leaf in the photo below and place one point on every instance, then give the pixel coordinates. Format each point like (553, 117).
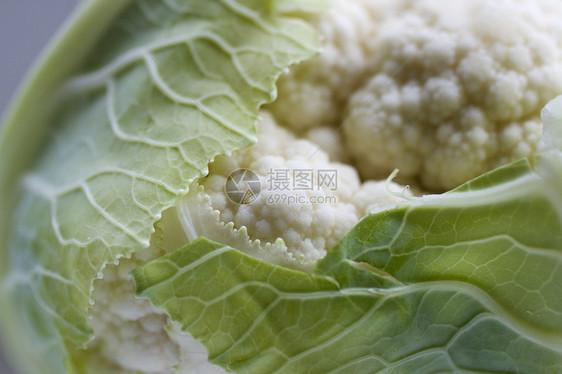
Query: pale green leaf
(505, 239)
(255, 317)
(169, 86)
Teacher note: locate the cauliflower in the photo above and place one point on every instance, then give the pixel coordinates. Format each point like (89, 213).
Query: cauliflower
(304, 222)
(163, 156)
(314, 93)
(443, 91)
(132, 335)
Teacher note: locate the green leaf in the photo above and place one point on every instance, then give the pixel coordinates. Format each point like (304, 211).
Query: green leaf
(300, 6)
(255, 317)
(169, 86)
(502, 235)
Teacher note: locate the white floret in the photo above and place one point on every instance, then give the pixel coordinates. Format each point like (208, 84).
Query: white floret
(131, 335)
(457, 90)
(329, 139)
(306, 220)
(314, 93)
(443, 90)
(363, 198)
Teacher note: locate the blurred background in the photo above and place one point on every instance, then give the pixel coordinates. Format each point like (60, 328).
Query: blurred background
(25, 28)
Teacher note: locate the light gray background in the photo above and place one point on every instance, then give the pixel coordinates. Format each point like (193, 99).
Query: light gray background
(25, 28)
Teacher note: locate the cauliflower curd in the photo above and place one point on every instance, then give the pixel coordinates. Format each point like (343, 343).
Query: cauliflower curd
(441, 90)
(309, 226)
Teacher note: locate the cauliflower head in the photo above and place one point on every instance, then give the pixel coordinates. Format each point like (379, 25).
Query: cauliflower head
(443, 91)
(295, 208)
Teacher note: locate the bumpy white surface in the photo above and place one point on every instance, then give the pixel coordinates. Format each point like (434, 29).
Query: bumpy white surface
(130, 332)
(314, 93)
(132, 336)
(308, 228)
(443, 90)
(457, 91)
(329, 139)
